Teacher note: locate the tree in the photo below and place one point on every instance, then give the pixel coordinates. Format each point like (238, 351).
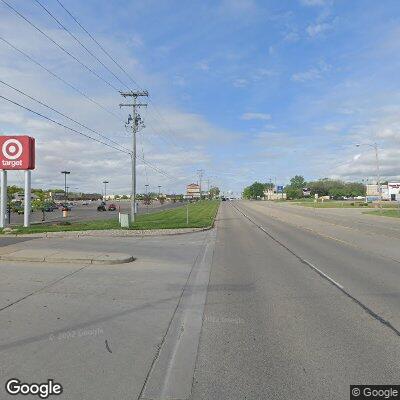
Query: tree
(214, 192)
(254, 191)
(297, 182)
(292, 193)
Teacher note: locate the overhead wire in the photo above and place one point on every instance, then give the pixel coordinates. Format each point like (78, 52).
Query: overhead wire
(62, 48)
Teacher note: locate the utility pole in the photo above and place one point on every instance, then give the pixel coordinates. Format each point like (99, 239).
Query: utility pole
(200, 173)
(134, 120)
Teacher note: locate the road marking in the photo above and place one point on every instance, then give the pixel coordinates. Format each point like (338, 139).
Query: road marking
(368, 310)
(323, 274)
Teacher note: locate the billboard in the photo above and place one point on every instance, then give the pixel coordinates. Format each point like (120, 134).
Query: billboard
(17, 152)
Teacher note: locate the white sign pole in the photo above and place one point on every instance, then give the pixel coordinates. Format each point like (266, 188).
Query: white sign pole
(27, 199)
(3, 198)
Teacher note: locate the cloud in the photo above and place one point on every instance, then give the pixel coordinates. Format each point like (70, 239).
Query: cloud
(312, 74)
(314, 2)
(256, 116)
(317, 29)
(203, 66)
(240, 82)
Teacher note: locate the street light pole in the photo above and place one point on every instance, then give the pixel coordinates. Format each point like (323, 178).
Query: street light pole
(378, 175)
(105, 190)
(147, 197)
(65, 183)
(159, 190)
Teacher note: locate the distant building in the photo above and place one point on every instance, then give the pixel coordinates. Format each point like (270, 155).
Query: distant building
(389, 192)
(271, 194)
(192, 191)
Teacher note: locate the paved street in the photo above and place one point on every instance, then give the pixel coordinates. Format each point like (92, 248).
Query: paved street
(276, 328)
(276, 302)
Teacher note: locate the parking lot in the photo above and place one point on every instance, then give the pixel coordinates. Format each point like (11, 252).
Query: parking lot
(89, 212)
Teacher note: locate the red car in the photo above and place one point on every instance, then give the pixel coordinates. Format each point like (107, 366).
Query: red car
(112, 207)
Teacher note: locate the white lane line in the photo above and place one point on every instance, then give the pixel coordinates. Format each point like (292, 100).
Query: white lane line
(325, 275)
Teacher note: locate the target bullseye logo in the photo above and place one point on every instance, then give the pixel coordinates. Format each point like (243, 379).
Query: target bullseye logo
(12, 149)
(17, 152)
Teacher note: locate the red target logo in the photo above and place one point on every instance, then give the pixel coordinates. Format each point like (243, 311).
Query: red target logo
(17, 152)
(12, 149)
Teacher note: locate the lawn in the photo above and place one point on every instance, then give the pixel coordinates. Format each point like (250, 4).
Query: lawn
(345, 204)
(201, 215)
(385, 213)
(333, 204)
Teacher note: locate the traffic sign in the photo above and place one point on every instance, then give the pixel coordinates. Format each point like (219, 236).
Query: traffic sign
(17, 153)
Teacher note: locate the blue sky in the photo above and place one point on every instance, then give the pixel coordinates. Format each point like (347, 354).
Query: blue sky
(246, 90)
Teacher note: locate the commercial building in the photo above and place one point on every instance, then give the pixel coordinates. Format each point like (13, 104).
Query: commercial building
(192, 191)
(389, 192)
(271, 194)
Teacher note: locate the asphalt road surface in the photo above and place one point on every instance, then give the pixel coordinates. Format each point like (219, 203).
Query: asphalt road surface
(291, 314)
(276, 302)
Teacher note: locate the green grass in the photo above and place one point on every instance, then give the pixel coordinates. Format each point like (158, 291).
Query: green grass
(345, 204)
(333, 204)
(201, 215)
(385, 213)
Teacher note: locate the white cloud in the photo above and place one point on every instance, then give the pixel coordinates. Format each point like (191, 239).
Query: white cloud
(314, 2)
(203, 66)
(317, 29)
(240, 82)
(256, 116)
(311, 74)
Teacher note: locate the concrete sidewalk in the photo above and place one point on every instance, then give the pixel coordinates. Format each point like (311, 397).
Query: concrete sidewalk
(96, 329)
(66, 256)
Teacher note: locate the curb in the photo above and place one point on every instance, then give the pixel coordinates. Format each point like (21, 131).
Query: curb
(110, 233)
(55, 257)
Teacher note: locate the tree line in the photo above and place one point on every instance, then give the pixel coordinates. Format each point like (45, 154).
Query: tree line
(334, 188)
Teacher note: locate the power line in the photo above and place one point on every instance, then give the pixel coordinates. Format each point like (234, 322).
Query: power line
(87, 136)
(77, 40)
(60, 113)
(123, 70)
(59, 46)
(60, 79)
(62, 125)
(98, 44)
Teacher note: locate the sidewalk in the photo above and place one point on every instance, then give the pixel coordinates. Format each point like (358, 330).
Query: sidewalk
(76, 323)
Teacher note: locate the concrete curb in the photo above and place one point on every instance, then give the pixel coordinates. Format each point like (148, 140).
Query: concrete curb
(70, 257)
(111, 233)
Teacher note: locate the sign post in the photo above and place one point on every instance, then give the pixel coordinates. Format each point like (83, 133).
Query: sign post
(3, 198)
(16, 153)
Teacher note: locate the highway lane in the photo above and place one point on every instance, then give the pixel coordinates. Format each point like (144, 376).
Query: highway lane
(353, 218)
(276, 327)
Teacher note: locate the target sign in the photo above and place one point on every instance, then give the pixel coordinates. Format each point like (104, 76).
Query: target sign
(17, 152)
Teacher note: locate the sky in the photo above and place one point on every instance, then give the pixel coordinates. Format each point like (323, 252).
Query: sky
(245, 90)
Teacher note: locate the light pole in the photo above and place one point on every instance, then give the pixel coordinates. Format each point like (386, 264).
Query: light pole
(375, 147)
(65, 182)
(105, 190)
(159, 190)
(67, 187)
(147, 199)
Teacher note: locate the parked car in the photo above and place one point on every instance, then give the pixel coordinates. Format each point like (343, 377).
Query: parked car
(112, 207)
(102, 206)
(66, 207)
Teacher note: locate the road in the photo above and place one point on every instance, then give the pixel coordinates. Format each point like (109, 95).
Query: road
(276, 327)
(276, 302)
